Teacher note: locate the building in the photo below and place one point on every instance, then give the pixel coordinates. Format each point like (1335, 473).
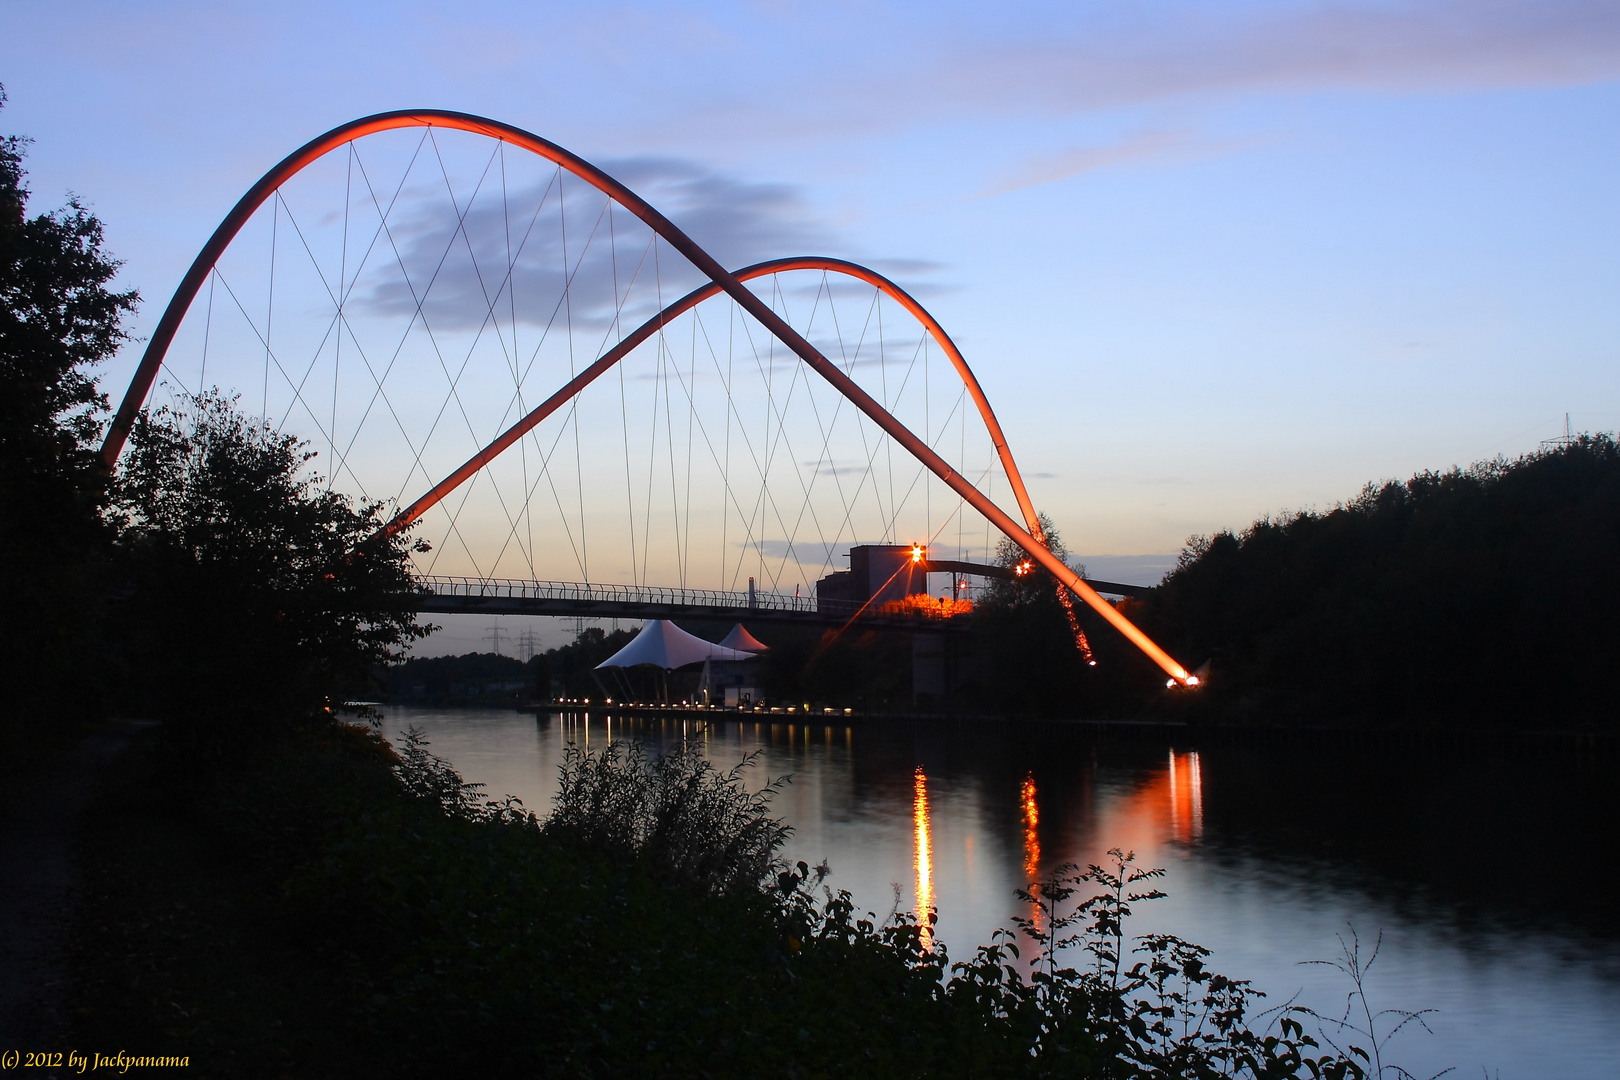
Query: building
(878, 573)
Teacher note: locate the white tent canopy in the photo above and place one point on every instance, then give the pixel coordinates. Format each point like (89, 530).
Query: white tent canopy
(742, 640)
(663, 644)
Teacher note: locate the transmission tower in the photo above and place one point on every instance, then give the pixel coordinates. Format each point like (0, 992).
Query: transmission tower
(496, 633)
(1566, 439)
(527, 645)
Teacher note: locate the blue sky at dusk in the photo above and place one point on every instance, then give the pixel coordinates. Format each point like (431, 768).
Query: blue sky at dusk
(1208, 259)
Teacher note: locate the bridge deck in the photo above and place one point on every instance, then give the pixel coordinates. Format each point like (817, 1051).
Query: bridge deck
(504, 596)
(498, 596)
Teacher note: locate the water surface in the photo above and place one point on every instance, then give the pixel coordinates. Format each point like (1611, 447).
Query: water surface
(1485, 874)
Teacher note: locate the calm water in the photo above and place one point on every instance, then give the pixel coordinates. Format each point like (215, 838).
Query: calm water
(1486, 875)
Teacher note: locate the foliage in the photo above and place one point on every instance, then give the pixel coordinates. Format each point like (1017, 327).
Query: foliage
(372, 912)
(1365, 1025)
(675, 812)
(1466, 598)
(482, 677)
(430, 779)
(1027, 658)
(1036, 586)
(923, 606)
(1475, 596)
(1166, 1014)
(58, 320)
(253, 582)
(566, 670)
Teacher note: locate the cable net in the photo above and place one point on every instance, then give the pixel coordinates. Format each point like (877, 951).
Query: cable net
(405, 299)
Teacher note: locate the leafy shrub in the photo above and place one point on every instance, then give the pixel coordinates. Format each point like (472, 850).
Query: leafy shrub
(400, 922)
(431, 779)
(676, 812)
(1165, 1015)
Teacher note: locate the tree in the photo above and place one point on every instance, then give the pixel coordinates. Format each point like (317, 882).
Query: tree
(1472, 597)
(1027, 656)
(1035, 585)
(256, 587)
(58, 320)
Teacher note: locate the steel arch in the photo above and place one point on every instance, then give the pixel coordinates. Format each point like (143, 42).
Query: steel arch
(523, 426)
(157, 347)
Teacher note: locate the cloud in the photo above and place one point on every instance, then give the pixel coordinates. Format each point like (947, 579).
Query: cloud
(1048, 168)
(1082, 58)
(1151, 52)
(1128, 569)
(738, 222)
(806, 552)
(599, 269)
(895, 268)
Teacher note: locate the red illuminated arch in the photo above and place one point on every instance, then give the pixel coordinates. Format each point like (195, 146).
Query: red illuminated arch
(722, 281)
(686, 303)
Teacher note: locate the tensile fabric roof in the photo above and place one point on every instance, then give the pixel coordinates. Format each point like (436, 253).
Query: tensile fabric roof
(741, 639)
(663, 644)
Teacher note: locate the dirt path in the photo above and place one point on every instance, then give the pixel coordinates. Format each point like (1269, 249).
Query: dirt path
(39, 878)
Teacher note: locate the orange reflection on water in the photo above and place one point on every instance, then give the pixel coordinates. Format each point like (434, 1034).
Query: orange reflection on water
(1032, 839)
(1166, 805)
(924, 860)
(1032, 818)
(1186, 782)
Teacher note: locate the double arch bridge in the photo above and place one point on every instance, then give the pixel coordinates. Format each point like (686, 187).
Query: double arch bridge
(403, 329)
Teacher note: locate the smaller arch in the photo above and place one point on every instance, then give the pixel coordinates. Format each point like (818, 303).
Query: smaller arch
(707, 291)
(1031, 540)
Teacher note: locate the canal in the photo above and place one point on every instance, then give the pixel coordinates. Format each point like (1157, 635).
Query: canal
(1484, 873)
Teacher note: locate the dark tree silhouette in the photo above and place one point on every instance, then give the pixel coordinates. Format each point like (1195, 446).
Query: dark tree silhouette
(257, 588)
(58, 320)
(1478, 596)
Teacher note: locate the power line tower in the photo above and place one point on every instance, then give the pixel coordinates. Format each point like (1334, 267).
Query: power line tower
(496, 633)
(1566, 439)
(527, 645)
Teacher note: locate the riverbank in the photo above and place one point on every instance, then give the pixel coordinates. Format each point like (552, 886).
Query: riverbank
(323, 907)
(1271, 850)
(41, 822)
(1537, 741)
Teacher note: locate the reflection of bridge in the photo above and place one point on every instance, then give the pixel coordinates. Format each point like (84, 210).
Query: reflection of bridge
(584, 298)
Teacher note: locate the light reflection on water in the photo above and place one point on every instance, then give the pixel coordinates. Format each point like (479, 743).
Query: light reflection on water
(1286, 855)
(922, 858)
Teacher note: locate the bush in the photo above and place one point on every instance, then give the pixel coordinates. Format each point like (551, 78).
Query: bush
(341, 909)
(676, 813)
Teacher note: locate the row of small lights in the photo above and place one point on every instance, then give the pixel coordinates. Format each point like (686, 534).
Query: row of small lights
(826, 711)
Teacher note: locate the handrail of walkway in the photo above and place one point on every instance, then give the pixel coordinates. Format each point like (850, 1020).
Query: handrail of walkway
(515, 588)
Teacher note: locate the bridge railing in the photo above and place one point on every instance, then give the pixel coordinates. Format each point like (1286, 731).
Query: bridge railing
(512, 588)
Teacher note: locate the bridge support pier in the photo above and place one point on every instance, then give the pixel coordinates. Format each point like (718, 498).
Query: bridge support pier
(930, 668)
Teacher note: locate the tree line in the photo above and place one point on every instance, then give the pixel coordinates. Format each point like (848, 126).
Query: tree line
(1477, 597)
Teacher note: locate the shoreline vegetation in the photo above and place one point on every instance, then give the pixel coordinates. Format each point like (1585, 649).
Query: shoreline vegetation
(329, 906)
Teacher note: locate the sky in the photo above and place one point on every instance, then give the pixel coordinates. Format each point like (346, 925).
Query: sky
(1209, 260)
